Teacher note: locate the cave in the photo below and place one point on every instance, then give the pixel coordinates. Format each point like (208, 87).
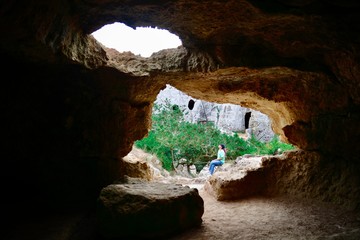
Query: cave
(247, 119)
(191, 104)
(72, 108)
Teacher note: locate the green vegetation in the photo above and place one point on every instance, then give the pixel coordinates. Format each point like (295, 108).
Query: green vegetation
(175, 141)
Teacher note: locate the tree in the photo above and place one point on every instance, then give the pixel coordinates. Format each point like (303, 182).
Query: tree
(166, 125)
(173, 139)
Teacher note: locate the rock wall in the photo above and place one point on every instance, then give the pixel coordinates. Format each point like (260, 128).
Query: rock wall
(71, 113)
(295, 173)
(229, 118)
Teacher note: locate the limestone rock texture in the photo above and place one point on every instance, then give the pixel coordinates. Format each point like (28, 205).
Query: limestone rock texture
(241, 179)
(143, 210)
(229, 118)
(224, 186)
(139, 164)
(296, 173)
(71, 109)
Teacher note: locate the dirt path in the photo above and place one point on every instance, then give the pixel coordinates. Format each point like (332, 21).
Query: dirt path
(266, 218)
(254, 218)
(272, 218)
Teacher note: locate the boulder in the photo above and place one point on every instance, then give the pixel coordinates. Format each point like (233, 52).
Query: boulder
(139, 164)
(242, 179)
(232, 187)
(141, 209)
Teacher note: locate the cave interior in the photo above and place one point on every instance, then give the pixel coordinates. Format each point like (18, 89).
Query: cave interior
(73, 108)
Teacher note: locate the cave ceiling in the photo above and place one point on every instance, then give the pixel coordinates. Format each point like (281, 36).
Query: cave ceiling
(296, 61)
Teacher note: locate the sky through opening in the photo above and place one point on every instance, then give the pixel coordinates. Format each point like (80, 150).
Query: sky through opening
(143, 41)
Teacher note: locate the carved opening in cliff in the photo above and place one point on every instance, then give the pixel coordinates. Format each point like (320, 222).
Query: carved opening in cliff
(191, 104)
(247, 119)
(141, 40)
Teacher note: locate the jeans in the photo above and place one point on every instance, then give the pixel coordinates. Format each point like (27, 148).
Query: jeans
(213, 164)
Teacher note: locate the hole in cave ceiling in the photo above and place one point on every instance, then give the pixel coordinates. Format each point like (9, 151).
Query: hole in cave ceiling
(142, 41)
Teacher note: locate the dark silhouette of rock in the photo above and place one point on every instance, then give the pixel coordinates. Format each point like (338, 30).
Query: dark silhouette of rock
(140, 210)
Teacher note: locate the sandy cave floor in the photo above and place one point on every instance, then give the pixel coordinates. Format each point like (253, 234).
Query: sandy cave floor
(272, 218)
(257, 218)
(254, 218)
(284, 218)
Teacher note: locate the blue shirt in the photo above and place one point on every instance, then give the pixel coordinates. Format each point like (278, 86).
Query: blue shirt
(221, 155)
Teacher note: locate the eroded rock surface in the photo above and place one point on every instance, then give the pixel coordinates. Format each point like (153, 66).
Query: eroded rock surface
(296, 173)
(228, 118)
(242, 179)
(71, 110)
(139, 164)
(143, 210)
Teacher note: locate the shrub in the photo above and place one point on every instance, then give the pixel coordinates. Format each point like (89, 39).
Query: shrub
(172, 138)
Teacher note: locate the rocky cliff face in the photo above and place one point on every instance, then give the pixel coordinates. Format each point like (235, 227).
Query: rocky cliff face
(71, 111)
(229, 118)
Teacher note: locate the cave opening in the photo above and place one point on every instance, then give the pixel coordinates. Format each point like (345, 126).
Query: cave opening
(186, 126)
(247, 119)
(191, 104)
(142, 41)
